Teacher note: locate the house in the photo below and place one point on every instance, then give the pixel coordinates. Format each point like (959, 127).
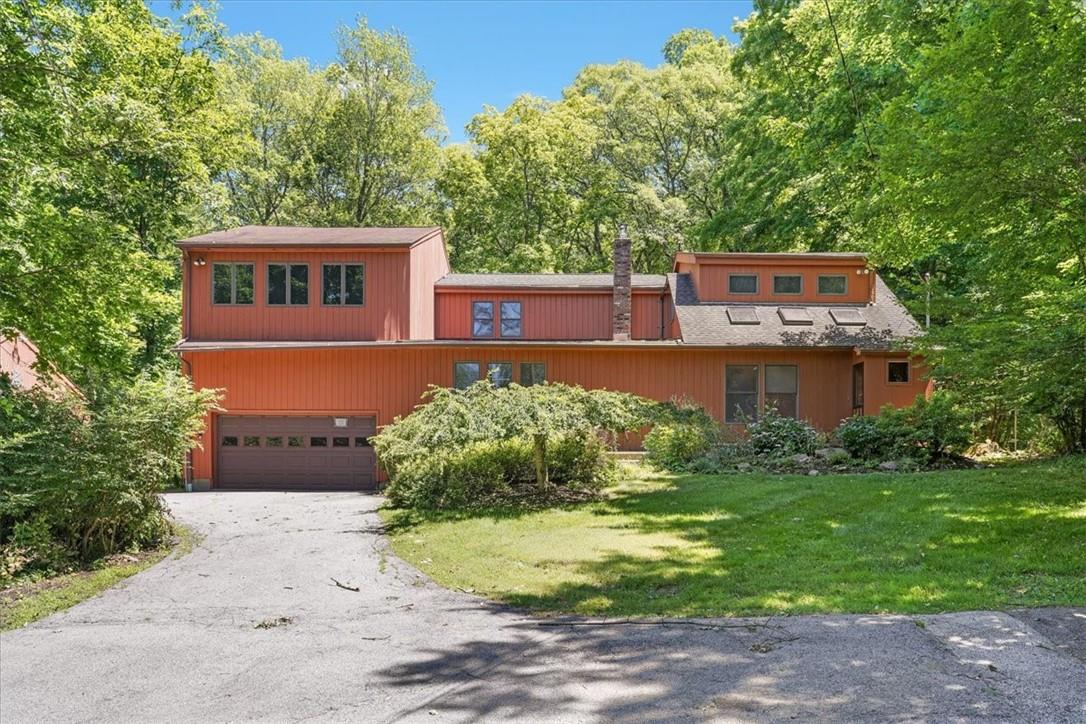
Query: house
(19, 362)
(317, 337)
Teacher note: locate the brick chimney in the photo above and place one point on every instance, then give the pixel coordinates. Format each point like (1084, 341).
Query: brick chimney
(620, 313)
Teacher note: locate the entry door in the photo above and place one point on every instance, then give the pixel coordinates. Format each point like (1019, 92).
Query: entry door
(858, 388)
(257, 452)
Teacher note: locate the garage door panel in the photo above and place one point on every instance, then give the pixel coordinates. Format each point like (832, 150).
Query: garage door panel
(268, 453)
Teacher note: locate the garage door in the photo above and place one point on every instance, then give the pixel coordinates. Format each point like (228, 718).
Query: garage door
(296, 453)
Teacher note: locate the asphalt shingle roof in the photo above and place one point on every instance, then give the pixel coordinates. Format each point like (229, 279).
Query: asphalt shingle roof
(708, 322)
(254, 236)
(548, 281)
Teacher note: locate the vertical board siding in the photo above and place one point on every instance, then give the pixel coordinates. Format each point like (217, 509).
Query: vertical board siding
(548, 315)
(428, 264)
(388, 382)
(712, 283)
(384, 316)
(878, 391)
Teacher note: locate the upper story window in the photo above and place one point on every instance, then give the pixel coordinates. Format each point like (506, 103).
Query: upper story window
(742, 283)
(288, 284)
(344, 284)
(532, 373)
(482, 319)
(510, 321)
(465, 374)
(788, 284)
(897, 373)
(232, 283)
(832, 283)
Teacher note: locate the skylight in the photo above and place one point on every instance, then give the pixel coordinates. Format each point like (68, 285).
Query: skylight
(848, 317)
(795, 315)
(743, 315)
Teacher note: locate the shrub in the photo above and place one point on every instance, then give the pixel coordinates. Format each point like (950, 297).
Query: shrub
(87, 477)
(924, 432)
(774, 435)
(474, 446)
(683, 433)
(862, 437)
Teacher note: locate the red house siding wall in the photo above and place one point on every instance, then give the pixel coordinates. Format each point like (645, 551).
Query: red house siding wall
(878, 391)
(548, 315)
(387, 382)
(384, 316)
(713, 283)
(428, 264)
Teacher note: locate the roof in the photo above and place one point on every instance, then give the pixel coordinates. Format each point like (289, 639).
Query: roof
(547, 281)
(257, 236)
(19, 359)
(709, 323)
(770, 255)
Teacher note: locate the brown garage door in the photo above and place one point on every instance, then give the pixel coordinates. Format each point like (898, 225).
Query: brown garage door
(296, 453)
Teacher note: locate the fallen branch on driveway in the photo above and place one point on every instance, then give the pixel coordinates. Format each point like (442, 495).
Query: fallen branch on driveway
(345, 587)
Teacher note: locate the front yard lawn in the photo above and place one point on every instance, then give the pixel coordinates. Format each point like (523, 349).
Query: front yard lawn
(694, 545)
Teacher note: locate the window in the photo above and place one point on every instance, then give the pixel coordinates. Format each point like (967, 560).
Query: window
(781, 389)
(341, 442)
(288, 284)
(362, 442)
(232, 283)
(500, 374)
(532, 373)
(788, 284)
(295, 441)
(742, 283)
(252, 441)
(510, 319)
(465, 374)
(897, 373)
(482, 319)
(229, 441)
(318, 442)
(273, 442)
(832, 283)
(344, 284)
(740, 393)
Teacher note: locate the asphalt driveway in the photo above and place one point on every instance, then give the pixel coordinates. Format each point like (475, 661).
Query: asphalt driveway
(251, 626)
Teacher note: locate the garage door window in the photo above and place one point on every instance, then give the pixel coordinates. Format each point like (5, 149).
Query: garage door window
(341, 442)
(229, 441)
(295, 441)
(362, 442)
(273, 442)
(252, 441)
(318, 442)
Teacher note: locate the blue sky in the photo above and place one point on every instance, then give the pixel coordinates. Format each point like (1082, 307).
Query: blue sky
(480, 53)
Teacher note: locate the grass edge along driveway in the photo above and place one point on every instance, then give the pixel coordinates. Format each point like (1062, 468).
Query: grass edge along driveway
(697, 545)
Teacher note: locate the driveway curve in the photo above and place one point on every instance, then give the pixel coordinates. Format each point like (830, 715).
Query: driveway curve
(252, 625)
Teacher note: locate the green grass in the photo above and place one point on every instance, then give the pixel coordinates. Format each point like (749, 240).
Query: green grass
(48, 596)
(767, 544)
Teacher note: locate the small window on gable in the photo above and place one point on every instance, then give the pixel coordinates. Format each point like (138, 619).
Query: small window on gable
(465, 374)
(510, 319)
(832, 284)
(482, 319)
(500, 374)
(897, 373)
(232, 283)
(344, 285)
(288, 284)
(742, 283)
(532, 373)
(788, 284)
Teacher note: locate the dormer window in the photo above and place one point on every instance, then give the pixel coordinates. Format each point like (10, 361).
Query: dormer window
(344, 285)
(788, 284)
(510, 319)
(288, 284)
(832, 284)
(232, 283)
(742, 284)
(482, 319)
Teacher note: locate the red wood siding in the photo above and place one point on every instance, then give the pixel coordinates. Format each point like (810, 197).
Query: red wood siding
(428, 264)
(878, 391)
(384, 316)
(712, 283)
(387, 382)
(548, 315)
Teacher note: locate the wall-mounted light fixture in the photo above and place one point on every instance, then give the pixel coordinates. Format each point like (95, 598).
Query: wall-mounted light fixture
(199, 261)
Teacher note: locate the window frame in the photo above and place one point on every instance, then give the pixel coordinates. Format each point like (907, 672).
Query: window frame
(533, 364)
(757, 283)
(478, 372)
(501, 319)
(474, 302)
(233, 283)
(757, 394)
(818, 285)
(490, 368)
(343, 284)
(766, 393)
(908, 371)
(788, 276)
(288, 287)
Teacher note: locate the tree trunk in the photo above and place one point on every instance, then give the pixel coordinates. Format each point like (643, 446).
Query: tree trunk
(539, 453)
